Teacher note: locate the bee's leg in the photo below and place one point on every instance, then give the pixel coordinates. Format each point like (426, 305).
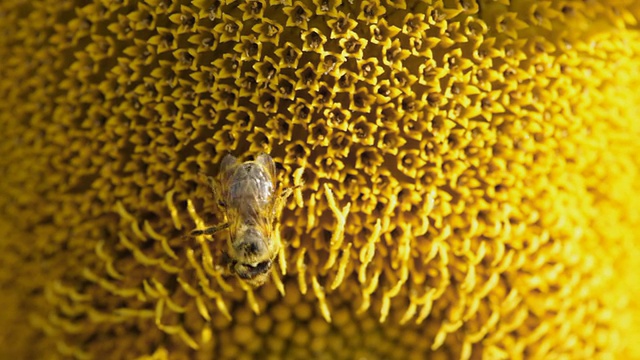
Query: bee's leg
(209, 230)
(280, 201)
(216, 192)
(286, 193)
(212, 183)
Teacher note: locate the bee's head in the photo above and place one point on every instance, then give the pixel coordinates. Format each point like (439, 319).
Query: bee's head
(256, 274)
(251, 257)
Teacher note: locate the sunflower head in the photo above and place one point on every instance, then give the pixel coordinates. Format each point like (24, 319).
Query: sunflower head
(469, 172)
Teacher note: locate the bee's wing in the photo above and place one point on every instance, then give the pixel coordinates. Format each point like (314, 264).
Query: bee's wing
(227, 166)
(228, 163)
(267, 163)
(260, 216)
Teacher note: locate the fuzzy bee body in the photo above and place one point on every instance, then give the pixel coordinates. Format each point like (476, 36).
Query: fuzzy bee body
(251, 202)
(250, 186)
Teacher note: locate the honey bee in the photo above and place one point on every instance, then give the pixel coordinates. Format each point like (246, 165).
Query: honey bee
(250, 201)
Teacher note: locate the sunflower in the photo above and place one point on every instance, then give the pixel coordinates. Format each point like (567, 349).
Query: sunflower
(470, 178)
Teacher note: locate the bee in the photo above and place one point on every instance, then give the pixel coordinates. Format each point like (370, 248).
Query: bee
(251, 202)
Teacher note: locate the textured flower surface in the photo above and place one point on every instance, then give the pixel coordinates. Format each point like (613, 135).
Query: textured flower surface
(470, 170)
